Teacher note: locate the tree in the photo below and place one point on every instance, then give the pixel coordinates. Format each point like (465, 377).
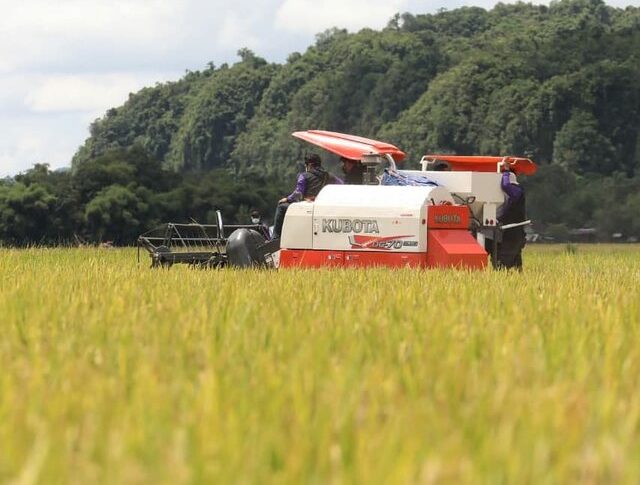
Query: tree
(26, 214)
(118, 214)
(581, 148)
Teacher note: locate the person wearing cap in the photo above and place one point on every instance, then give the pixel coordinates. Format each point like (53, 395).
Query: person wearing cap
(308, 186)
(512, 211)
(256, 220)
(353, 171)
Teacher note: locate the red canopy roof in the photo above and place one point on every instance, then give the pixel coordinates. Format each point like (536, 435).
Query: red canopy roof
(460, 163)
(348, 146)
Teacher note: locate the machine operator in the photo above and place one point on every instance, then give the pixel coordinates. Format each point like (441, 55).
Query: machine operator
(353, 171)
(308, 185)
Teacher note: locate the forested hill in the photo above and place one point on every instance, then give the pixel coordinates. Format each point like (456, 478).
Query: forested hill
(559, 83)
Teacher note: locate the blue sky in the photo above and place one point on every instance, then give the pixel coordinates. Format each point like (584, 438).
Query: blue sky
(63, 63)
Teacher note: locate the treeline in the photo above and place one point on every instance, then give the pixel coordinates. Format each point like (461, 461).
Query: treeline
(558, 83)
(120, 194)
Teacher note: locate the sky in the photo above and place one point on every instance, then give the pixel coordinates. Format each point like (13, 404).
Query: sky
(63, 63)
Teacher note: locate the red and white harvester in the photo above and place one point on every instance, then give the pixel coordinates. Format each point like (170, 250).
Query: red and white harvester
(435, 217)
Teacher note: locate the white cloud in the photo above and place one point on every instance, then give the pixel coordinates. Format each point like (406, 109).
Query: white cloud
(87, 93)
(107, 35)
(40, 32)
(29, 139)
(237, 31)
(13, 89)
(623, 3)
(313, 16)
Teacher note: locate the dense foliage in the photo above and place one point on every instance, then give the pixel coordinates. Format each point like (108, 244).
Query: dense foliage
(558, 83)
(120, 194)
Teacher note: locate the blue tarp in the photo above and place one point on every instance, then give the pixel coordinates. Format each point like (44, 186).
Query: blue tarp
(393, 177)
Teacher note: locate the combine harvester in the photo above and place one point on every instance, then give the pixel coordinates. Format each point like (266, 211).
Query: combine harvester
(435, 217)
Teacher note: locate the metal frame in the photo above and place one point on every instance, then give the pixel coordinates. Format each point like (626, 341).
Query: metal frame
(202, 245)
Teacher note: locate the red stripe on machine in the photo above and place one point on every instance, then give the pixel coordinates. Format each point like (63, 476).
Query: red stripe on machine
(384, 243)
(309, 258)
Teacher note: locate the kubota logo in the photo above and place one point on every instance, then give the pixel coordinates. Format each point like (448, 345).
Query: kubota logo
(368, 226)
(447, 219)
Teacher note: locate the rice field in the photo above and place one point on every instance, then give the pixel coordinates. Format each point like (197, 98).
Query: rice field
(111, 372)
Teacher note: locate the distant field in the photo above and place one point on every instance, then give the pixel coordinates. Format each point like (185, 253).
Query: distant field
(111, 372)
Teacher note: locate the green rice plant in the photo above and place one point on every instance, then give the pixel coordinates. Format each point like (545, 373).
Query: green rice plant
(112, 372)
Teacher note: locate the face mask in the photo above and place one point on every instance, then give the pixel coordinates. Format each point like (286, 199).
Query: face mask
(255, 220)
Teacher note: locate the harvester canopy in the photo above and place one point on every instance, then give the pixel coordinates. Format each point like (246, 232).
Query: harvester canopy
(349, 146)
(461, 163)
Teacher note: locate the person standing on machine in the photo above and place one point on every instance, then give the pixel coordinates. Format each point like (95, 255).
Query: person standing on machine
(509, 254)
(308, 186)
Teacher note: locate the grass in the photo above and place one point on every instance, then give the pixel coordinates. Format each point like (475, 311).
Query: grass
(111, 372)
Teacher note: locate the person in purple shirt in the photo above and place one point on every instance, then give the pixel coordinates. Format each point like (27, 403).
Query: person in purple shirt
(308, 186)
(509, 254)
